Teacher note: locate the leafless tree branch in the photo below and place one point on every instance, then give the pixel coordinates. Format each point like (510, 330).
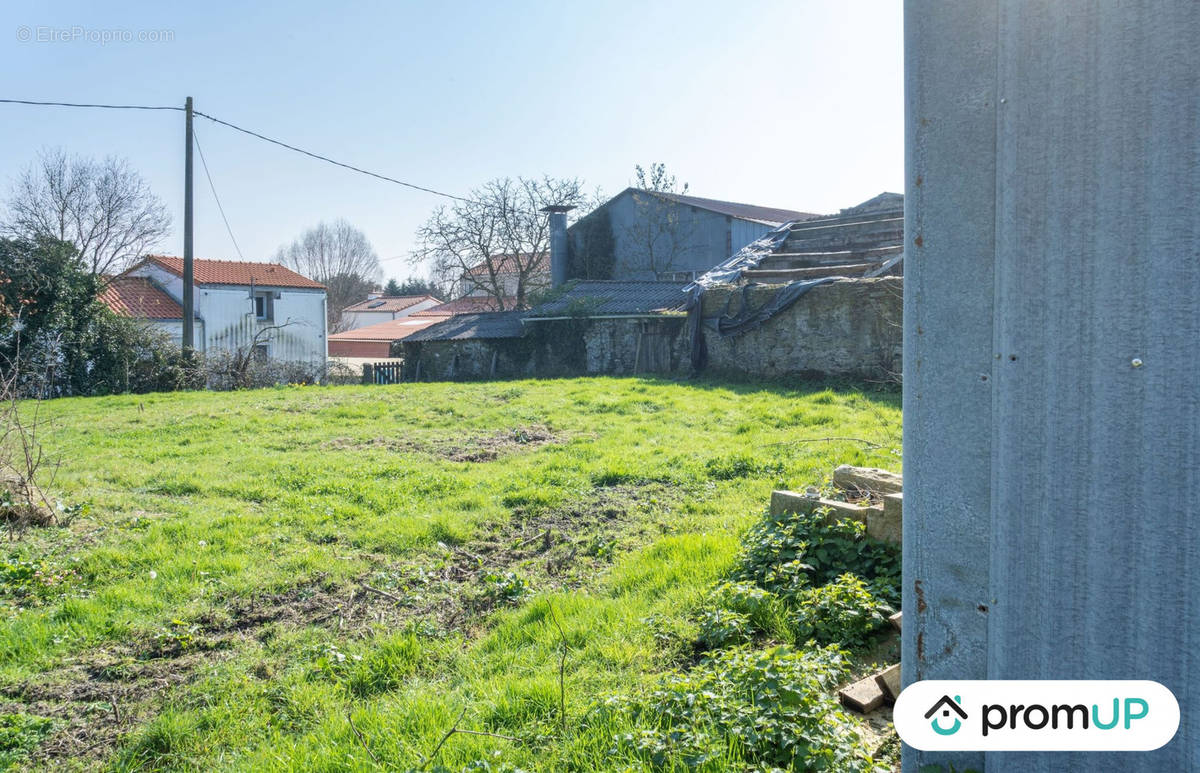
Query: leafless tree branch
(104, 208)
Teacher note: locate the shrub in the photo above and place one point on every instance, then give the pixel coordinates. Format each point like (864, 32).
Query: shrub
(787, 553)
(771, 708)
(841, 612)
(724, 628)
(737, 611)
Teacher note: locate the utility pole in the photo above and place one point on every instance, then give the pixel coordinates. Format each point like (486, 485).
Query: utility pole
(188, 301)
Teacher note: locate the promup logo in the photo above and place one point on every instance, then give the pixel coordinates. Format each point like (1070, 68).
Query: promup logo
(949, 705)
(996, 715)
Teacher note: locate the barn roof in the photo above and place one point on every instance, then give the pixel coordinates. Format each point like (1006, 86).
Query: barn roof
(488, 325)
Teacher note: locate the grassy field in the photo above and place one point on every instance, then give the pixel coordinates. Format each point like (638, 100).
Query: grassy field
(328, 578)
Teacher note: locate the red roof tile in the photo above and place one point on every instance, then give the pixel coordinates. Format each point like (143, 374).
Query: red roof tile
(135, 296)
(390, 303)
(509, 264)
(236, 272)
(391, 330)
(471, 304)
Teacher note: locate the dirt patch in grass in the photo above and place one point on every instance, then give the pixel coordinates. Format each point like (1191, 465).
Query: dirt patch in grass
(452, 589)
(95, 705)
(561, 548)
(478, 448)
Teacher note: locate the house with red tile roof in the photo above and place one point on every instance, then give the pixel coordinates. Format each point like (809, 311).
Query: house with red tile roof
(382, 308)
(503, 273)
(471, 304)
(237, 304)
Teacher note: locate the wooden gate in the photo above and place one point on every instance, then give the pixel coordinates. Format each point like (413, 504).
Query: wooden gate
(383, 372)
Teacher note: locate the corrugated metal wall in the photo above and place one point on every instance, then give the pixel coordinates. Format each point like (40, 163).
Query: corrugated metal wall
(1052, 363)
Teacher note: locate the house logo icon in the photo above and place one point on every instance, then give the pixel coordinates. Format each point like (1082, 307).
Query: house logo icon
(945, 706)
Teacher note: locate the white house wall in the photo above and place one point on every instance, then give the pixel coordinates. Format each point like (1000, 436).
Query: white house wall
(228, 314)
(227, 317)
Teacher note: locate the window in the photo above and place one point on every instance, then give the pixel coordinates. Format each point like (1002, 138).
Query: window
(261, 353)
(262, 305)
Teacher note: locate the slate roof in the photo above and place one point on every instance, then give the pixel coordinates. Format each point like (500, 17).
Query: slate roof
(767, 215)
(489, 325)
(389, 303)
(617, 297)
(471, 304)
(391, 330)
(236, 272)
(135, 296)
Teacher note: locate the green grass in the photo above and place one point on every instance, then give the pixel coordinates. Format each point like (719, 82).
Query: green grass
(210, 610)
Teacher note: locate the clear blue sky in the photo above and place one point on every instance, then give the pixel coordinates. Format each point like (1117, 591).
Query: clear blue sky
(788, 103)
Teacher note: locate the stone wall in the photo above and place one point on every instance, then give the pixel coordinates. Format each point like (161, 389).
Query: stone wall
(847, 328)
(552, 348)
(850, 328)
(465, 360)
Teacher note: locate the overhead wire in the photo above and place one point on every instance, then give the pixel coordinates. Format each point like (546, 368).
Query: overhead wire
(213, 188)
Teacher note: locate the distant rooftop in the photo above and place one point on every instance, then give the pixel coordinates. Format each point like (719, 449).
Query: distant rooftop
(390, 303)
(471, 304)
(391, 330)
(513, 264)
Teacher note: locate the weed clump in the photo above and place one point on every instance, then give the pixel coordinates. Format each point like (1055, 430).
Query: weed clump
(802, 578)
(770, 708)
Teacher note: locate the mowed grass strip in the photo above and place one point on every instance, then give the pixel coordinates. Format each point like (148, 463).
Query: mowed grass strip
(258, 569)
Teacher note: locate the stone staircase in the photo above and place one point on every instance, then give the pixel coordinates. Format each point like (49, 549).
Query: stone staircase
(848, 244)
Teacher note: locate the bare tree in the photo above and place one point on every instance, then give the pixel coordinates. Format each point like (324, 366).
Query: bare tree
(104, 208)
(498, 242)
(339, 256)
(659, 236)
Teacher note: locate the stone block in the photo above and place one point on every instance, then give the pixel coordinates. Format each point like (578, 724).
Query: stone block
(889, 681)
(887, 523)
(867, 479)
(864, 696)
(794, 502)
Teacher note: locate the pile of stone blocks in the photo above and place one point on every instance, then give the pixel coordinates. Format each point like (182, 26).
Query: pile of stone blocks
(879, 489)
(876, 499)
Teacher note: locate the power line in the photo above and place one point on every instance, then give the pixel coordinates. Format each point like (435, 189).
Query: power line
(319, 157)
(78, 104)
(271, 140)
(213, 188)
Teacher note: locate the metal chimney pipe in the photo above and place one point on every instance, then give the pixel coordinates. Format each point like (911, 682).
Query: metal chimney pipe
(558, 243)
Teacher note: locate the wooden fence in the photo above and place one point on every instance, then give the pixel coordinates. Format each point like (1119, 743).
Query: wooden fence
(383, 372)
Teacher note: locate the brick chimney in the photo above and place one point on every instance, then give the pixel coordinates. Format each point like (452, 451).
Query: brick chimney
(558, 243)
